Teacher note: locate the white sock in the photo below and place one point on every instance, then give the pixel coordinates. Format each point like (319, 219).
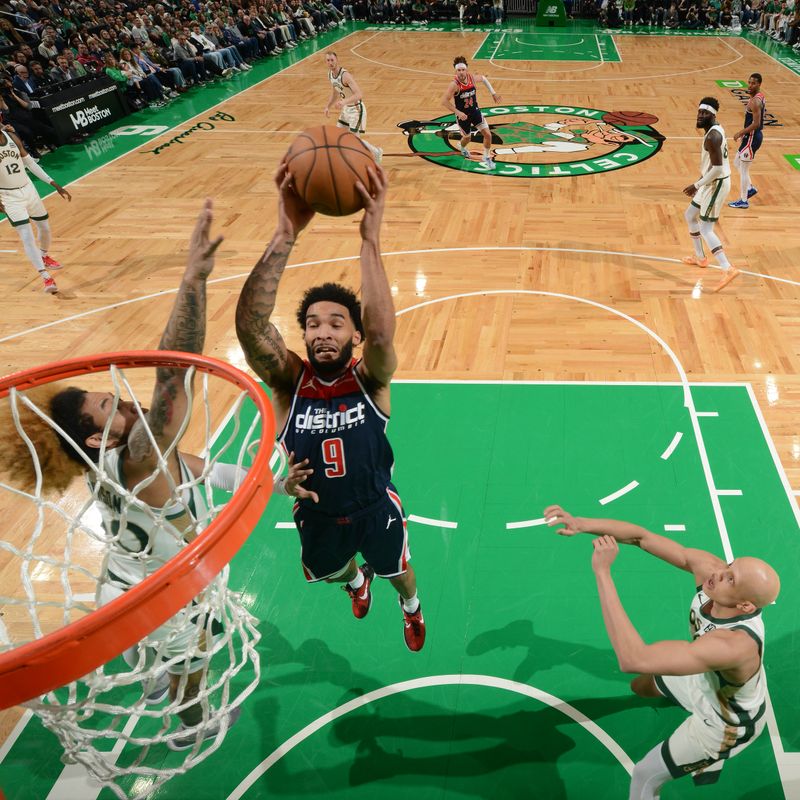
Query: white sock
(487, 153)
(31, 250)
(411, 605)
(714, 244)
(357, 582)
(376, 151)
(43, 230)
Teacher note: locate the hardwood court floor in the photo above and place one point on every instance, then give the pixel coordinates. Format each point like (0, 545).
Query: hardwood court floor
(497, 278)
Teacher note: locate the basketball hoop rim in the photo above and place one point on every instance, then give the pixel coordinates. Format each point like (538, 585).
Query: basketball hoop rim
(76, 649)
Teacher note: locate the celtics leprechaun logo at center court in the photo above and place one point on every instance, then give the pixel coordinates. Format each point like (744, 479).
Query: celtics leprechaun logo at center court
(542, 141)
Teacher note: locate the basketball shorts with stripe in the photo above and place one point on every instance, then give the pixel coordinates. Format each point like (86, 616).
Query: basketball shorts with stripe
(23, 204)
(354, 118)
(749, 145)
(378, 533)
(701, 744)
(474, 121)
(710, 199)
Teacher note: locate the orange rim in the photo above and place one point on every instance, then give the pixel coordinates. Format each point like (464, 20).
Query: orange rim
(80, 647)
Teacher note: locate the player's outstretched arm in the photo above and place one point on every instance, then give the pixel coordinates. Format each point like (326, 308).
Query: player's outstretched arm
(261, 342)
(377, 307)
(185, 331)
(699, 562)
(717, 650)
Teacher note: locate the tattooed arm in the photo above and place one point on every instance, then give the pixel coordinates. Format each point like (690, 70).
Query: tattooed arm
(261, 342)
(185, 331)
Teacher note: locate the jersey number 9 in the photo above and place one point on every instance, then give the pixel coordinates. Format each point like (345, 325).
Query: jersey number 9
(333, 455)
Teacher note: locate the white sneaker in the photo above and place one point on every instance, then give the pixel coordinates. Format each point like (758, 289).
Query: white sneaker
(158, 690)
(227, 72)
(488, 161)
(464, 152)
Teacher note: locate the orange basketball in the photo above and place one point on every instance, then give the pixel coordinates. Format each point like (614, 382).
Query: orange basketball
(630, 118)
(325, 163)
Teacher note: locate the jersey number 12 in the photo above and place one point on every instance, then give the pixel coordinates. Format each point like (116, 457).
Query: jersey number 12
(333, 455)
(12, 168)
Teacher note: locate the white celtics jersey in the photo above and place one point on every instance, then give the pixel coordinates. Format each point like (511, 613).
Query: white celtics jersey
(705, 157)
(145, 538)
(12, 170)
(734, 704)
(337, 81)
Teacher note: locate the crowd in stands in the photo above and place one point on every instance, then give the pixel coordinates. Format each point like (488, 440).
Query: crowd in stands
(155, 51)
(777, 19)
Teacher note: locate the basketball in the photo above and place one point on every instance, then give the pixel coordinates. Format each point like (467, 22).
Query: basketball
(630, 118)
(325, 163)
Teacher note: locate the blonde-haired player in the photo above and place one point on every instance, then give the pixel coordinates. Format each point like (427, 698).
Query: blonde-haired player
(709, 192)
(21, 203)
(348, 99)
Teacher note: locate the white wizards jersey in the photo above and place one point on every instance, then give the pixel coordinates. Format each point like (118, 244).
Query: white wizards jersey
(12, 170)
(145, 537)
(705, 156)
(733, 704)
(337, 81)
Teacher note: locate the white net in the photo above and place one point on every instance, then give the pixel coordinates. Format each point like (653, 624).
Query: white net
(181, 687)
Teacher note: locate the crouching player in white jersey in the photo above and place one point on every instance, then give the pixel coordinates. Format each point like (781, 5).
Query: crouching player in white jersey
(718, 677)
(21, 203)
(348, 99)
(709, 191)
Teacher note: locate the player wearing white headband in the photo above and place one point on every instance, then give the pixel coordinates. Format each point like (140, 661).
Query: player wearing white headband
(709, 191)
(461, 98)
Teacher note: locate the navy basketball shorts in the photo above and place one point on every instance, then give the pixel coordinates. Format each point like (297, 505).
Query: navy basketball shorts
(378, 532)
(749, 145)
(474, 120)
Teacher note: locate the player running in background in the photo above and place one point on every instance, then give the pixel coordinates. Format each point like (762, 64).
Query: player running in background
(347, 98)
(461, 98)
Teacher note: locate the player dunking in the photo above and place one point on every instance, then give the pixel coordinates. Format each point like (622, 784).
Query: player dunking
(332, 410)
(718, 677)
(348, 99)
(461, 98)
(751, 136)
(21, 203)
(708, 193)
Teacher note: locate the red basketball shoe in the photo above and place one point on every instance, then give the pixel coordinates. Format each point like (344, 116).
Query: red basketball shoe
(361, 597)
(50, 263)
(413, 628)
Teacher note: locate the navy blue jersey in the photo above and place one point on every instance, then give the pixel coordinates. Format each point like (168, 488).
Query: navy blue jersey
(337, 427)
(748, 116)
(466, 96)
